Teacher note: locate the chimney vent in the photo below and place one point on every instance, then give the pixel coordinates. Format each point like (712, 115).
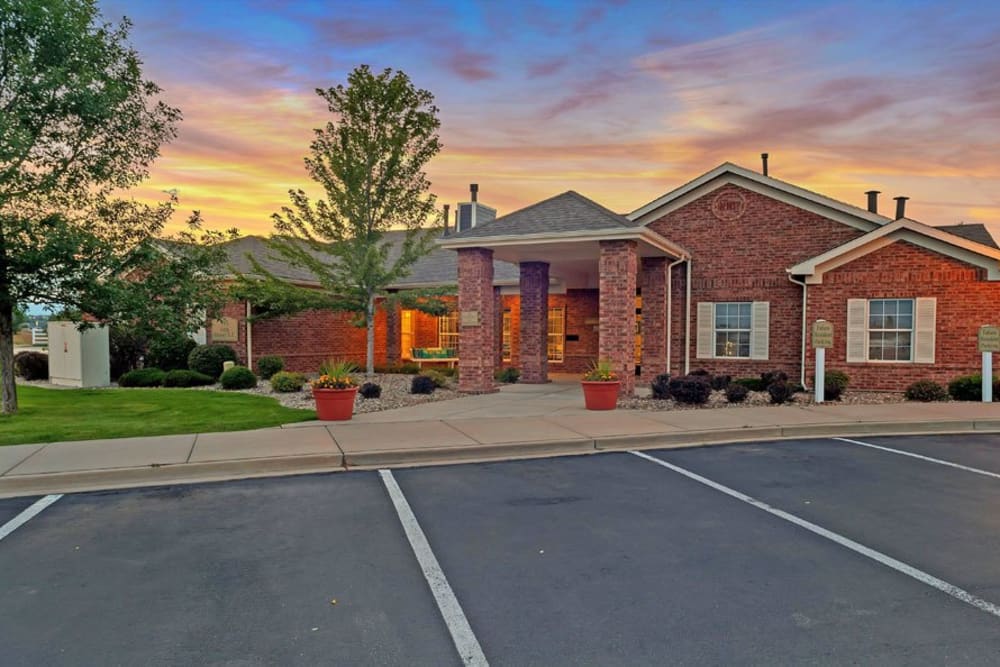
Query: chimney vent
(474, 191)
(763, 159)
(447, 208)
(873, 200)
(900, 207)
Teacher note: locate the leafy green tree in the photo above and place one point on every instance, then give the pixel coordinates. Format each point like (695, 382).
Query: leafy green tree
(369, 160)
(79, 125)
(19, 317)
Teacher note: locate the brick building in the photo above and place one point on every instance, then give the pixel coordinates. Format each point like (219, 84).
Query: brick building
(725, 273)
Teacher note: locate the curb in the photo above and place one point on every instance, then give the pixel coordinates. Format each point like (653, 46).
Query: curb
(217, 471)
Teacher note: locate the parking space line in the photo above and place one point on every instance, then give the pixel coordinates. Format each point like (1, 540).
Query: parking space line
(28, 514)
(914, 455)
(465, 640)
(890, 562)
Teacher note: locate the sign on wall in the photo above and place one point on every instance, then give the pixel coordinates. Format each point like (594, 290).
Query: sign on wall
(729, 205)
(822, 334)
(469, 318)
(989, 339)
(225, 330)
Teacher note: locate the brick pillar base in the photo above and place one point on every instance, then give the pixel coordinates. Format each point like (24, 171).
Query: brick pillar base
(534, 327)
(477, 351)
(616, 331)
(393, 319)
(653, 281)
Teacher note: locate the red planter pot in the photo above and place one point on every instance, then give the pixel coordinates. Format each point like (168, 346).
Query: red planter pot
(600, 395)
(334, 404)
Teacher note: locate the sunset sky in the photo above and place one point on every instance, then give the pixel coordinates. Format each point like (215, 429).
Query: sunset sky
(620, 100)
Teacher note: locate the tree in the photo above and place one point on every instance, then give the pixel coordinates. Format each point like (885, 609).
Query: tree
(79, 125)
(369, 161)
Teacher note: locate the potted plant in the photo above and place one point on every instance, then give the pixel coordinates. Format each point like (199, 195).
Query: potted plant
(334, 391)
(600, 386)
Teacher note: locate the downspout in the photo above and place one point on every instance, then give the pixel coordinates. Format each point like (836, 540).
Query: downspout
(805, 326)
(687, 323)
(670, 304)
(249, 336)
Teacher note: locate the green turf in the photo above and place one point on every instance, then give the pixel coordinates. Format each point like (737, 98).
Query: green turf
(52, 415)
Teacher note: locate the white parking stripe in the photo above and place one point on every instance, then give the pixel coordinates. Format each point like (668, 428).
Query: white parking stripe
(910, 571)
(458, 625)
(27, 514)
(921, 457)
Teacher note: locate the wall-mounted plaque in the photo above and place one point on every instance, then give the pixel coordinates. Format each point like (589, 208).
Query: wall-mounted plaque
(469, 318)
(225, 330)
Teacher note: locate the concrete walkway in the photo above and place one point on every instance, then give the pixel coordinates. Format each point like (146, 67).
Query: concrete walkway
(521, 421)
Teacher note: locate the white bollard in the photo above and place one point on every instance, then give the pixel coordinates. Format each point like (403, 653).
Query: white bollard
(987, 377)
(820, 373)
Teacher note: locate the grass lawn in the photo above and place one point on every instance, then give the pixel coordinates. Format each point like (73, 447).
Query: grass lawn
(51, 415)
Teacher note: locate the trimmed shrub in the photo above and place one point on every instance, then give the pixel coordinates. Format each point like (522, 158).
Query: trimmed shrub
(781, 391)
(690, 389)
(238, 377)
(269, 365)
(451, 372)
(837, 378)
(31, 365)
(439, 379)
(700, 372)
(967, 388)
(736, 393)
(421, 384)
(773, 376)
(208, 359)
(399, 369)
(832, 392)
(370, 390)
(661, 387)
(142, 377)
(927, 391)
(507, 375)
(186, 378)
(752, 384)
(284, 382)
(720, 382)
(169, 352)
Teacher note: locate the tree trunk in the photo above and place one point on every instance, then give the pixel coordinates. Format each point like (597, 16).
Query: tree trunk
(9, 389)
(370, 350)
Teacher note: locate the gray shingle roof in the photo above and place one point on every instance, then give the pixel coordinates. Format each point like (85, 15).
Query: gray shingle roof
(568, 212)
(439, 267)
(972, 232)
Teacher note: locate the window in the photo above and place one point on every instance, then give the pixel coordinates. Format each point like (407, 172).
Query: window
(507, 334)
(557, 335)
(732, 330)
(890, 330)
(448, 331)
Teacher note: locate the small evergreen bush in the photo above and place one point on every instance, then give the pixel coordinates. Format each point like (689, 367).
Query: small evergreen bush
(838, 378)
(31, 365)
(736, 393)
(269, 365)
(169, 352)
(781, 391)
(771, 377)
(284, 382)
(969, 388)
(752, 384)
(208, 359)
(720, 382)
(142, 377)
(507, 375)
(370, 390)
(438, 378)
(927, 391)
(421, 384)
(661, 387)
(238, 377)
(690, 389)
(186, 378)
(700, 372)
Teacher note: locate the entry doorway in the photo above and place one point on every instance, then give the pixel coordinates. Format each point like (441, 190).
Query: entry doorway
(406, 334)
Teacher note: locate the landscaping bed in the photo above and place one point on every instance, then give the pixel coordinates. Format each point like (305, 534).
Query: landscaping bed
(717, 399)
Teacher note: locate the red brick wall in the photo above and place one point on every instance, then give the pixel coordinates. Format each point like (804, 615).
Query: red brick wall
(534, 320)
(745, 260)
(477, 358)
(965, 300)
(617, 273)
(581, 307)
(653, 286)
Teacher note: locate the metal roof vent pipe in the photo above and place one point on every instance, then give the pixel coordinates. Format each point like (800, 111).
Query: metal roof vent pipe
(447, 208)
(474, 191)
(900, 207)
(873, 200)
(763, 159)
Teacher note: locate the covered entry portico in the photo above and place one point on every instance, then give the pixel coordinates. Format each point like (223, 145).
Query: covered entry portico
(571, 243)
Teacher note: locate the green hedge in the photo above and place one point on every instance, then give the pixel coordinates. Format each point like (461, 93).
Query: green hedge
(142, 377)
(185, 378)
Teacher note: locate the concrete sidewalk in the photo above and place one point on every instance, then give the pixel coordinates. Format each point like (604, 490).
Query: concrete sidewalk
(529, 421)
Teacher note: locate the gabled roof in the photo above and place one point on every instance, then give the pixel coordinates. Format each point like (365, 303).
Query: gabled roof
(728, 172)
(568, 212)
(903, 229)
(973, 232)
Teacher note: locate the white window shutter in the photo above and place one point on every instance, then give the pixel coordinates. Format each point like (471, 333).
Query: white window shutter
(706, 331)
(924, 329)
(760, 326)
(857, 330)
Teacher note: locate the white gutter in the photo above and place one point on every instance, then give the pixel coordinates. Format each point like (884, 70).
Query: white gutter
(670, 304)
(249, 336)
(687, 323)
(802, 363)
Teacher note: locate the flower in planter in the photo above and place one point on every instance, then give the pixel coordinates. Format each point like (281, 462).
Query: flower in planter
(335, 375)
(601, 371)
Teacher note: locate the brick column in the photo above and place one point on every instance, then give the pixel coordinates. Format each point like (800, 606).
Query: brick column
(393, 320)
(653, 281)
(616, 331)
(477, 352)
(534, 318)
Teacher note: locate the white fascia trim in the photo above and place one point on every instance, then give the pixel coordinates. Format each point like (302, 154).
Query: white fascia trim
(639, 233)
(764, 185)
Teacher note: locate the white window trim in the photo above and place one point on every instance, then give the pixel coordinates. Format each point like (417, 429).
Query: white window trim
(716, 330)
(760, 315)
(923, 333)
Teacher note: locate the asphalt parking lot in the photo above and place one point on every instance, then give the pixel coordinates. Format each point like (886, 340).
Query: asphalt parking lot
(793, 552)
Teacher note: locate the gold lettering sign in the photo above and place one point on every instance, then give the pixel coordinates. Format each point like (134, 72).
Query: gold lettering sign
(822, 334)
(470, 318)
(989, 339)
(225, 330)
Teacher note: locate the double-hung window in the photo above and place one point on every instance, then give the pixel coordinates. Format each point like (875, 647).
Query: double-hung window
(893, 330)
(732, 330)
(448, 331)
(890, 330)
(556, 335)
